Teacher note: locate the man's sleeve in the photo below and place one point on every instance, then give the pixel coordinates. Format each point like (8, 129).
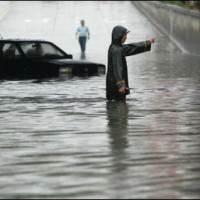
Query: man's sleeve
(77, 30)
(118, 68)
(136, 48)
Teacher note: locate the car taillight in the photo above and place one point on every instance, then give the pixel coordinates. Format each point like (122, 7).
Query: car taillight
(101, 70)
(65, 70)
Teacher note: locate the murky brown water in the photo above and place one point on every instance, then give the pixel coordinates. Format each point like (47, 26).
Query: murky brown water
(60, 138)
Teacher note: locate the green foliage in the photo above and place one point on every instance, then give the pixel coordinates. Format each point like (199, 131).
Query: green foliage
(197, 4)
(193, 5)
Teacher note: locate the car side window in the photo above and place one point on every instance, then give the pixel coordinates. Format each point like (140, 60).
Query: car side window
(33, 50)
(10, 51)
(41, 50)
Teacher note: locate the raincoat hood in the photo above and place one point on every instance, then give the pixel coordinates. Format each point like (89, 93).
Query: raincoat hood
(118, 32)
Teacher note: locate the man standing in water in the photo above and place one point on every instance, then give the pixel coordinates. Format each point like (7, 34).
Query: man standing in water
(84, 34)
(117, 86)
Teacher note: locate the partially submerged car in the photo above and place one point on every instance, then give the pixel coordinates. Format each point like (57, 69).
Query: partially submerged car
(41, 59)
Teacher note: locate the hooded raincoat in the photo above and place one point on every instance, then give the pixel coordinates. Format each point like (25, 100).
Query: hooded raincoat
(117, 73)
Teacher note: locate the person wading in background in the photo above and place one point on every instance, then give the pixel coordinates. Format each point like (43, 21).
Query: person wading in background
(83, 34)
(117, 86)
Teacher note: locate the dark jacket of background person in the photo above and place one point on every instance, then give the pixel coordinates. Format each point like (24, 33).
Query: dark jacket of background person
(117, 73)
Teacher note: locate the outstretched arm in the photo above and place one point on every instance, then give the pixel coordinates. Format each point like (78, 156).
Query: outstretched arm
(137, 48)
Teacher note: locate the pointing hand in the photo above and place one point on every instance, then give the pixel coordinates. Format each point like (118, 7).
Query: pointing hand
(152, 40)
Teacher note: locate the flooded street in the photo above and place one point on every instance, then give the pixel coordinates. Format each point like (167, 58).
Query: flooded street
(60, 138)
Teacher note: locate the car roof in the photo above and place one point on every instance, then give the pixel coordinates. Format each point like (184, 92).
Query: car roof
(24, 40)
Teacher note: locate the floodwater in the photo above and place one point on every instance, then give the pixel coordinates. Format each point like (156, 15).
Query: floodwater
(60, 138)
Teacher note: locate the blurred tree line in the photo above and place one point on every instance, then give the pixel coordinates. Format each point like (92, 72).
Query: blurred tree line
(195, 5)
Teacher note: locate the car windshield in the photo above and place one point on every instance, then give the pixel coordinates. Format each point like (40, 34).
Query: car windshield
(41, 50)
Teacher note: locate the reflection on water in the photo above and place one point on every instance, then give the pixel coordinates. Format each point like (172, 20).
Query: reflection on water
(117, 116)
(83, 56)
(117, 113)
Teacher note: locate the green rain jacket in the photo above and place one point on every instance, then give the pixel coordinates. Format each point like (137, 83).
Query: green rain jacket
(117, 73)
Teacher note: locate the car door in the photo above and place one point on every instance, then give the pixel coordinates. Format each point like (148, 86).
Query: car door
(38, 55)
(12, 62)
